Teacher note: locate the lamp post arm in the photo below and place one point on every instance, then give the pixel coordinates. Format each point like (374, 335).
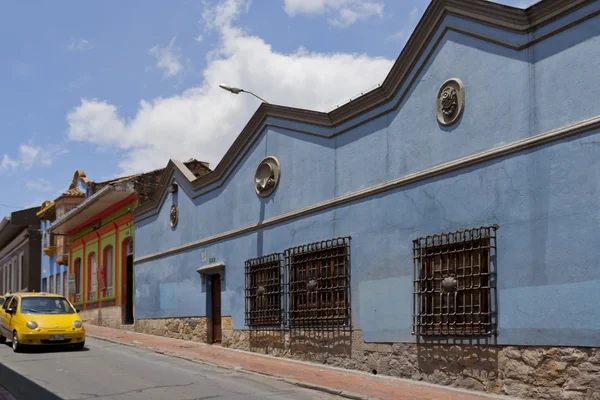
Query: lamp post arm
(260, 98)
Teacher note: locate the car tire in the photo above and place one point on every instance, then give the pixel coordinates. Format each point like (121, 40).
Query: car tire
(2, 339)
(79, 346)
(16, 346)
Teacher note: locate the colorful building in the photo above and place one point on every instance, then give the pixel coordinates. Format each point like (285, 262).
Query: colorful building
(55, 249)
(19, 251)
(441, 227)
(99, 233)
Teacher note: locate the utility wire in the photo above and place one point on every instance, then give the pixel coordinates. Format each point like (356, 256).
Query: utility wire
(7, 206)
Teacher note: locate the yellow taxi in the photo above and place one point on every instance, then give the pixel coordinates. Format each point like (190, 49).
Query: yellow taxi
(40, 319)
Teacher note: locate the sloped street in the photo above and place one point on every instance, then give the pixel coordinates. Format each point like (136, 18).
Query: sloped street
(111, 371)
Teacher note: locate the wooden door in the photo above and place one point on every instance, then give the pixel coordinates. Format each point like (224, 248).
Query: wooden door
(129, 291)
(215, 283)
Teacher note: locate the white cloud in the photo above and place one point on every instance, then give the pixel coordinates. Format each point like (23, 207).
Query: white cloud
(203, 121)
(80, 45)
(8, 163)
(40, 185)
(30, 155)
(167, 59)
(341, 13)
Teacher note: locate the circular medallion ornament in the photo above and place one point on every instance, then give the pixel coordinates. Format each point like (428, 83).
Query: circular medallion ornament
(174, 216)
(266, 177)
(449, 284)
(450, 102)
(260, 291)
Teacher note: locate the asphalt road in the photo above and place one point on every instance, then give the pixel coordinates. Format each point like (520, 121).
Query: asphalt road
(110, 371)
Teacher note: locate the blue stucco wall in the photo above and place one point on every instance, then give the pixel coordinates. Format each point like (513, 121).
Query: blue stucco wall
(545, 200)
(49, 266)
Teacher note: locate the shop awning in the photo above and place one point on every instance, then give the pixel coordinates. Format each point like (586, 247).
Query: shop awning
(90, 207)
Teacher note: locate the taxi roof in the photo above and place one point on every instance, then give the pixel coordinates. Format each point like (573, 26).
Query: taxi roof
(36, 294)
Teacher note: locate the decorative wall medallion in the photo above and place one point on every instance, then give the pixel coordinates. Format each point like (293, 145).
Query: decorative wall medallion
(174, 216)
(450, 101)
(266, 177)
(260, 291)
(311, 286)
(449, 284)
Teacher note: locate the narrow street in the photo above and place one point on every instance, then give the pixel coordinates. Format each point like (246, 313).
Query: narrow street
(111, 371)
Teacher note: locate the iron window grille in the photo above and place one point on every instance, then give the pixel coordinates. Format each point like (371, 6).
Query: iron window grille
(264, 294)
(319, 285)
(454, 278)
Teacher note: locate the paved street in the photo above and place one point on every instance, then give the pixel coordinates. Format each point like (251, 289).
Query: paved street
(112, 371)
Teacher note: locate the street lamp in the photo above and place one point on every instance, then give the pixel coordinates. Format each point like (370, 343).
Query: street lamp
(236, 90)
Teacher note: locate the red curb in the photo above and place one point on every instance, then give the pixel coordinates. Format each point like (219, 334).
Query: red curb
(345, 383)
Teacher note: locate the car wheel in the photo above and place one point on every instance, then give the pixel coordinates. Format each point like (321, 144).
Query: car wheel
(2, 339)
(79, 346)
(16, 346)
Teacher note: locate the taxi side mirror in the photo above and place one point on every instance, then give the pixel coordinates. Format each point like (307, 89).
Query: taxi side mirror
(77, 310)
(10, 311)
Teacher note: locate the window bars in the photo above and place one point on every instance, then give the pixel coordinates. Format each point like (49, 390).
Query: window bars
(454, 278)
(263, 291)
(306, 287)
(319, 285)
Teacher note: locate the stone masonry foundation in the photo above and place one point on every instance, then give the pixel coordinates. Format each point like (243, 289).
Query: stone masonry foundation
(105, 316)
(525, 372)
(193, 329)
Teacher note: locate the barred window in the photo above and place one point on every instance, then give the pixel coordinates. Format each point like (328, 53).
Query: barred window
(453, 283)
(319, 285)
(263, 291)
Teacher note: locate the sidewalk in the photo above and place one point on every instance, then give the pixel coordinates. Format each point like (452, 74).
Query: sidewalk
(346, 383)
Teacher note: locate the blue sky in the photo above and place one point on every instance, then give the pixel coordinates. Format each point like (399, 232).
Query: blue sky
(113, 87)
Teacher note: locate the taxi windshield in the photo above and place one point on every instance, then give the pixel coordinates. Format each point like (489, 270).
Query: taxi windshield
(45, 305)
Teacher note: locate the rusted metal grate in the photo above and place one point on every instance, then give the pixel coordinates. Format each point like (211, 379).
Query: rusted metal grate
(319, 285)
(453, 283)
(264, 291)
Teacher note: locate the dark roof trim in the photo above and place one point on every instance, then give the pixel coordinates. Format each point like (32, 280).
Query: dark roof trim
(496, 153)
(481, 11)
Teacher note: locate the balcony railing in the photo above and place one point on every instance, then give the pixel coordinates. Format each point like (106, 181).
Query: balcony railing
(78, 298)
(108, 292)
(50, 250)
(92, 295)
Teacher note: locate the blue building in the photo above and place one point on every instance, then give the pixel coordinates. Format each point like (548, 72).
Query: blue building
(441, 227)
(55, 248)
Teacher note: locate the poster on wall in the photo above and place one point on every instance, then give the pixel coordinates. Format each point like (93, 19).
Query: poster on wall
(72, 284)
(101, 278)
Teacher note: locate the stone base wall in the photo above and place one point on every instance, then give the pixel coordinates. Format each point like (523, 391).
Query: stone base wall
(105, 316)
(194, 329)
(524, 372)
